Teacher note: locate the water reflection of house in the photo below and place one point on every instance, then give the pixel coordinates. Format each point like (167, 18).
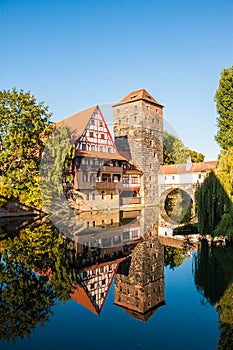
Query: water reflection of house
(139, 283)
(104, 177)
(93, 284)
(94, 281)
(105, 238)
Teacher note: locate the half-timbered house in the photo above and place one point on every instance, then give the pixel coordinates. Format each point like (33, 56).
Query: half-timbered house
(100, 173)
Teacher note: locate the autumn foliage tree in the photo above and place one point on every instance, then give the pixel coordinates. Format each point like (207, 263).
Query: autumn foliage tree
(24, 127)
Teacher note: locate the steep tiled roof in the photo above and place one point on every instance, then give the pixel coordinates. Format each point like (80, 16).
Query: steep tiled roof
(78, 122)
(80, 295)
(186, 168)
(136, 95)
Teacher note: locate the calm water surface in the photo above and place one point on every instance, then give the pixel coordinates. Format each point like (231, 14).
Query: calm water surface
(104, 311)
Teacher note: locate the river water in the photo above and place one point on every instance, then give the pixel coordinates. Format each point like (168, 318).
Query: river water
(59, 294)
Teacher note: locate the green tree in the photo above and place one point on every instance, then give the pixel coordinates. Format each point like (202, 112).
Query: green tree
(24, 127)
(224, 104)
(175, 152)
(214, 199)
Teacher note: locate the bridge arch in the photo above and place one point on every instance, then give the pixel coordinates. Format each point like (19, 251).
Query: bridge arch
(175, 204)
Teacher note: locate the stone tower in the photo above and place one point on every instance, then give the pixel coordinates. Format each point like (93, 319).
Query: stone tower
(138, 131)
(139, 283)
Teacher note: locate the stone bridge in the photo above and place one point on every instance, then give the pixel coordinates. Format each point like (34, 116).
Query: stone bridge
(185, 177)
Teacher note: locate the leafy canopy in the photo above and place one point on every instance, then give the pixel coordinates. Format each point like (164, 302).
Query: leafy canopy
(24, 127)
(224, 104)
(175, 152)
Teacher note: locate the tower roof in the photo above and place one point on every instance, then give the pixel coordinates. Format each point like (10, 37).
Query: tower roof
(137, 95)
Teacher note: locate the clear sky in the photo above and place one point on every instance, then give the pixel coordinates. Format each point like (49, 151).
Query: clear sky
(73, 54)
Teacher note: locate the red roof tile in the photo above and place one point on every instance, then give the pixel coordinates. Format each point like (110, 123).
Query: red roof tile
(184, 168)
(137, 95)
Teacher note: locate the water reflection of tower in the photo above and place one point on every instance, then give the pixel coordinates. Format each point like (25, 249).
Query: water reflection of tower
(139, 283)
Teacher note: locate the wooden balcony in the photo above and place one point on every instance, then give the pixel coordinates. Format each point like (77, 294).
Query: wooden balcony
(130, 200)
(105, 185)
(111, 169)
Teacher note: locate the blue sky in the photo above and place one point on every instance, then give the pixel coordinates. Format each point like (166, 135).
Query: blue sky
(74, 54)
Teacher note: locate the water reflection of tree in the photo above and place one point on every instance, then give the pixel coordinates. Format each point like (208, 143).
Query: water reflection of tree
(174, 257)
(213, 269)
(34, 271)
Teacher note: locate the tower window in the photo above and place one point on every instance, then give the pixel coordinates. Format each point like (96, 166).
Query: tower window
(118, 111)
(102, 194)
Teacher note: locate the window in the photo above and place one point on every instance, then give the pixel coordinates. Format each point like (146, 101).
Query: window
(92, 147)
(111, 195)
(93, 223)
(101, 148)
(135, 107)
(84, 177)
(153, 121)
(102, 194)
(91, 134)
(118, 111)
(109, 149)
(173, 177)
(92, 285)
(102, 136)
(93, 196)
(101, 124)
(84, 146)
(88, 224)
(135, 119)
(92, 122)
